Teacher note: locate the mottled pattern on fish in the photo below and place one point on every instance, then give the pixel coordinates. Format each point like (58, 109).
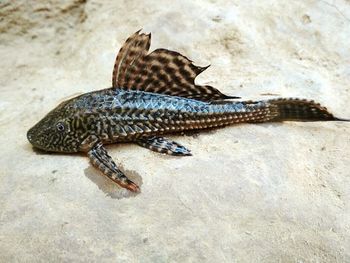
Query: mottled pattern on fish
(153, 94)
(118, 115)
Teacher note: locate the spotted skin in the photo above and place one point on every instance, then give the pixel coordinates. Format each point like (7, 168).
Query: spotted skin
(162, 71)
(102, 161)
(163, 145)
(153, 94)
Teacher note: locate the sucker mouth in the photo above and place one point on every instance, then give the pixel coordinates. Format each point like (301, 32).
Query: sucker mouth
(40, 151)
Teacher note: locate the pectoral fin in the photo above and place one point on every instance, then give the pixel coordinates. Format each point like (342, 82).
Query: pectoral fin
(102, 161)
(163, 145)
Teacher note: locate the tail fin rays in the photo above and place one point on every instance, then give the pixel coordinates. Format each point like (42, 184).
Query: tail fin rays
(301, 110)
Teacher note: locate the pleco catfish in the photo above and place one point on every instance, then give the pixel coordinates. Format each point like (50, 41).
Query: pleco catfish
(153, 94)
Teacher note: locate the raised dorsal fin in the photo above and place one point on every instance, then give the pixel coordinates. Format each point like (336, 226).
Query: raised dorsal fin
(162, 71)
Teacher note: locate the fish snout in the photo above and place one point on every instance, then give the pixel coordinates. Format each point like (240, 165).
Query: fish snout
(30, 136)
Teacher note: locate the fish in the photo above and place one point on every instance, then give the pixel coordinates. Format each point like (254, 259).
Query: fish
(154, 94)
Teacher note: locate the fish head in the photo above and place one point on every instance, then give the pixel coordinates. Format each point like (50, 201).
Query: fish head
(54, 133)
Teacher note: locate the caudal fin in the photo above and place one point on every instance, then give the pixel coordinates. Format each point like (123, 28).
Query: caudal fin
(301, 110)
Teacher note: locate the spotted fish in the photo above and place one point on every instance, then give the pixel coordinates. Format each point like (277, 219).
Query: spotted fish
(153, 94)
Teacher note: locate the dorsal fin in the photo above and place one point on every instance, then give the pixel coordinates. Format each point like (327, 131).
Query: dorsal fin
(162, 71)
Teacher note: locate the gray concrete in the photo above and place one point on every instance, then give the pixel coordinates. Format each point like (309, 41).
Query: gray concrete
(249, 193)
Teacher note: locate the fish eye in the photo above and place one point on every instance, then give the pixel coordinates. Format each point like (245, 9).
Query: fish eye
(60, 126)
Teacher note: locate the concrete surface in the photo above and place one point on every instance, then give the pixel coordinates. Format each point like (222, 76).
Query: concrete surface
(250, 193)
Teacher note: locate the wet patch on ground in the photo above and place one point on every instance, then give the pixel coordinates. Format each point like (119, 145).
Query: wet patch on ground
(110, 188)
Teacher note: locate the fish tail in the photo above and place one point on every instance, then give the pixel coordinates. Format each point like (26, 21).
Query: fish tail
(300, 110)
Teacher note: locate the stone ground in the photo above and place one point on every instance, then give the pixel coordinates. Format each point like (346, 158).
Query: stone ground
(250, 193)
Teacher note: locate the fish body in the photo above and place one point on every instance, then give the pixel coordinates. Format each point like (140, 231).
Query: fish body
(152, 95)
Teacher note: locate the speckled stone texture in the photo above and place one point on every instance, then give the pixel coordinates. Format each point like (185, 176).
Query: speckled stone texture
(250, 193)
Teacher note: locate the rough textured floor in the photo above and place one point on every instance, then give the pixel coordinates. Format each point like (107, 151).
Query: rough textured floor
(249, 193)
